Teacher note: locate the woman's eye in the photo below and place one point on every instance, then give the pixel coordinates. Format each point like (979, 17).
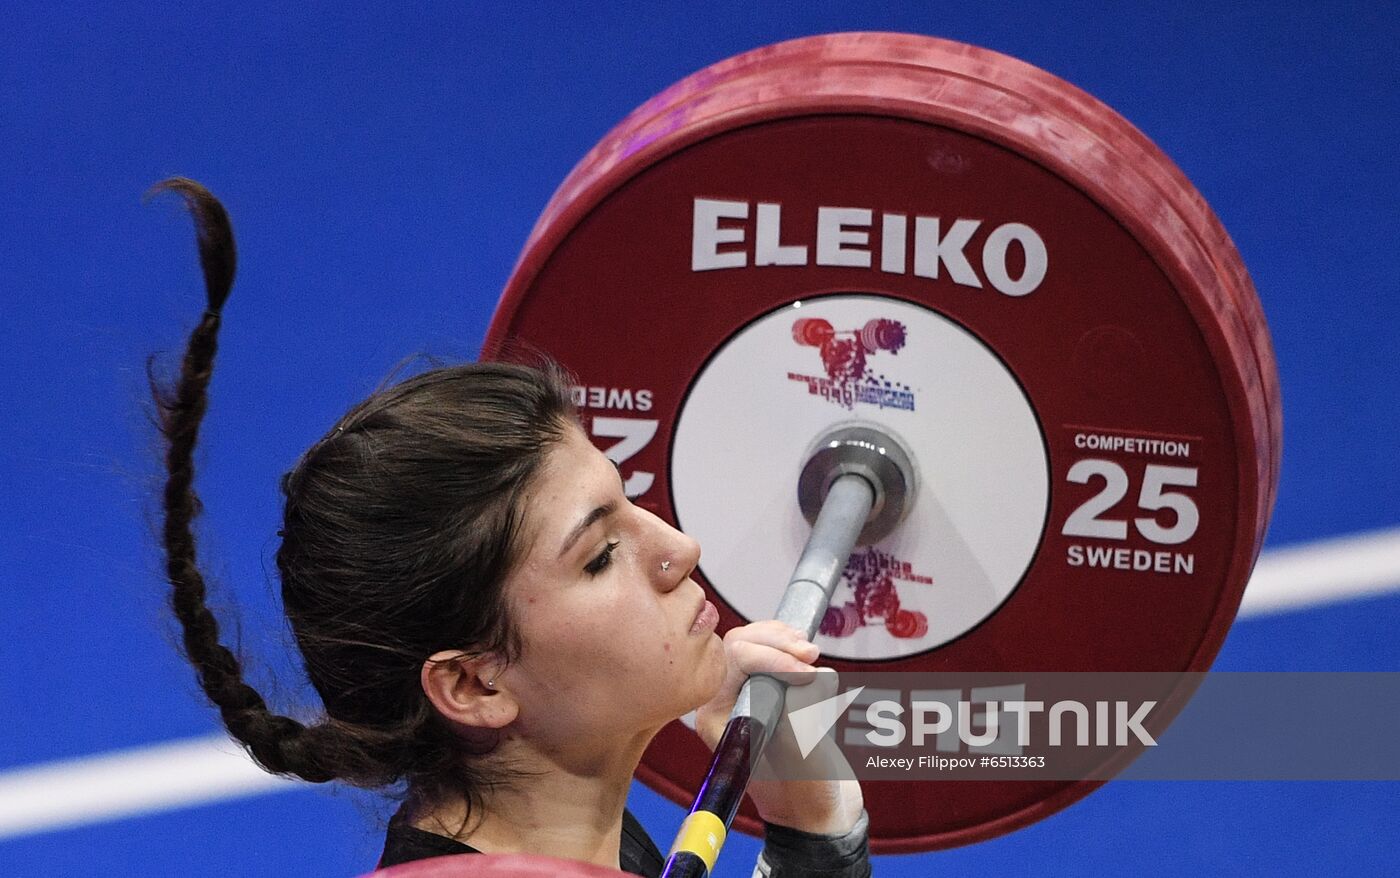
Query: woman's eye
(600, 563)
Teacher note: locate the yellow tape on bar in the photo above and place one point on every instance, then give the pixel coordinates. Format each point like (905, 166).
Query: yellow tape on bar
(701, 834)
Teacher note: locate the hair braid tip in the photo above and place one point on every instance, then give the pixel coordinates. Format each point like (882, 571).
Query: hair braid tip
(218, 255)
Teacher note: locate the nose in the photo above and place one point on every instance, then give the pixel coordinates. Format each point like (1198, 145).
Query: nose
(686, 558)
(674, 555)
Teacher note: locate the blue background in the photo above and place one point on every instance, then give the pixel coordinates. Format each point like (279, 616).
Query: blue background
(383, 167)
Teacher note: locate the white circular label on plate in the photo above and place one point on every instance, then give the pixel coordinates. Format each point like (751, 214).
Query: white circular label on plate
(983, 478)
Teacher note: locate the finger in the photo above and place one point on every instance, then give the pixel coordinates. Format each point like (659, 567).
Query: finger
(757, 658)
(778, 635)
(770, 632)
(818, 687)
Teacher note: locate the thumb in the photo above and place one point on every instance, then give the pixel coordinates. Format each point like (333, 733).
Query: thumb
(803, 747)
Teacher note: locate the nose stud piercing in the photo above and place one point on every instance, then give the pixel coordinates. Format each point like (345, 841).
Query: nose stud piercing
(665, 565)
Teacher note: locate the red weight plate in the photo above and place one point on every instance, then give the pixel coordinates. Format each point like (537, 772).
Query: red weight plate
(497, 866)
(991, 265)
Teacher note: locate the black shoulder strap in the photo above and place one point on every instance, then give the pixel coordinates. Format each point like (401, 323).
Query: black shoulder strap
(404, 843)
(639, 854)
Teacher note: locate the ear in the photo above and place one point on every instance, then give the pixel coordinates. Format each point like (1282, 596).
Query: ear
(455, 683)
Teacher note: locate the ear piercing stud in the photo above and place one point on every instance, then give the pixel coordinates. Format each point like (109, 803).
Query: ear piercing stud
(665, 565)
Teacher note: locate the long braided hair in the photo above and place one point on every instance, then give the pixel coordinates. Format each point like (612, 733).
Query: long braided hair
(399, 527)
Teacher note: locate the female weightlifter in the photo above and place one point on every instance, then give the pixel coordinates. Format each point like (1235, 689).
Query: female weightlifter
(495, 631)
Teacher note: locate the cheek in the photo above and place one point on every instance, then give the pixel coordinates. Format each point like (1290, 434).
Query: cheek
(601, 630)
(646, 646)
(646, 635)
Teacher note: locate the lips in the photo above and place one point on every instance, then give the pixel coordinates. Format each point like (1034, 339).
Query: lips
(706, 619)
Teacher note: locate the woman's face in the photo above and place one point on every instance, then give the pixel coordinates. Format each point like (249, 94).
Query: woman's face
(618, 639)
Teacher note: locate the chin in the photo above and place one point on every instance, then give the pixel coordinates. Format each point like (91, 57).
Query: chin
(709, 672)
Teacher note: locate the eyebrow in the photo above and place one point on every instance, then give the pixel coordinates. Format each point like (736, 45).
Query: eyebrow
(588, 521)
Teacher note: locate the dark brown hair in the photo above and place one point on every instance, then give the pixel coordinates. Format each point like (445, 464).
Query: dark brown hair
(399, 528)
